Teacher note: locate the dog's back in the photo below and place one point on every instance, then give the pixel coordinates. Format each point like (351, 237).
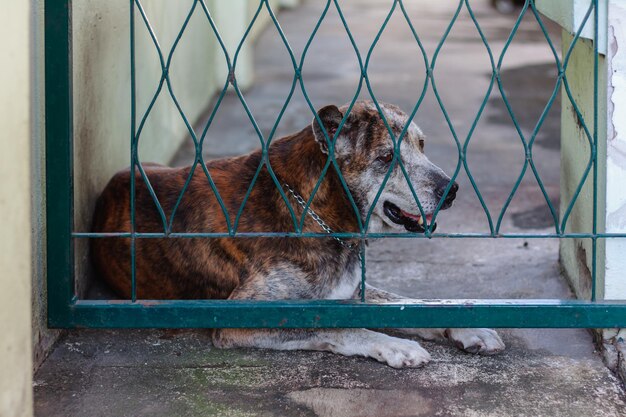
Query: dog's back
(200, 268)
(165, 267)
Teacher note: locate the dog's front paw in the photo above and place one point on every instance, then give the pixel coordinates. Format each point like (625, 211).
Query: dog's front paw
(400, 353)
(477, 341)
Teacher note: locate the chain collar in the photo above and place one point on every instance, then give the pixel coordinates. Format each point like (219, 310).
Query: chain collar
(316, 217)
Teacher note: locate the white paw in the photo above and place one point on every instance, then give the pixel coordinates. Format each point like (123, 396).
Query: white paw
(480, 341)
(400, 353)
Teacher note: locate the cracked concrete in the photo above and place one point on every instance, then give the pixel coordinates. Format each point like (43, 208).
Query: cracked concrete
(542, 373)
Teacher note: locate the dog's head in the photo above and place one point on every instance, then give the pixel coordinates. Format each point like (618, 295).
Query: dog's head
(365, 153)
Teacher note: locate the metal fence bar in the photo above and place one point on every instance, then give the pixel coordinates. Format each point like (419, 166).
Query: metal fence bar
(59, 157)
(200, 144)
(133, 155)
(330, 141)
(594, 242)
(354, 313)
(470, 133)
(348, 235)
(135, 140)
(455, 137)
(580, 117)
(512, 115)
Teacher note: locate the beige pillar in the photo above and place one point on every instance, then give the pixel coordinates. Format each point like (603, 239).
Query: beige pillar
(15, 244)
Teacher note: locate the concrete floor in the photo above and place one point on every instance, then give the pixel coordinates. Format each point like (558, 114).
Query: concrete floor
(542, 373)
(159, 373)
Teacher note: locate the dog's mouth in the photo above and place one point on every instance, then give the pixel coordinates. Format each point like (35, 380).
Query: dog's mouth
(411, 222)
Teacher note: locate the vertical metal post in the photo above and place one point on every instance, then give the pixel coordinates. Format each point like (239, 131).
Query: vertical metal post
(59, 155)
(133, 153)
(363, 267)
(594, 150)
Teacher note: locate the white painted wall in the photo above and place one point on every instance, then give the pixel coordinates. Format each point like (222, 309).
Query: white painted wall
(615, 274)
(15, 188)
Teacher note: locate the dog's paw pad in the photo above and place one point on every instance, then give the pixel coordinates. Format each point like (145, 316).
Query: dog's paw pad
(477, 341)
(402, 354)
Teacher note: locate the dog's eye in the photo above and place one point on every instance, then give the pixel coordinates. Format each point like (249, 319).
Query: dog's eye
(385, 158)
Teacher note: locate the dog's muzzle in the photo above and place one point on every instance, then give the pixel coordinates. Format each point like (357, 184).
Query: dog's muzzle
(414, 222)
(411, 222)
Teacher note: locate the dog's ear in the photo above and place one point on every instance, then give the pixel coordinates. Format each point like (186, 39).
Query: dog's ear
(331, 117)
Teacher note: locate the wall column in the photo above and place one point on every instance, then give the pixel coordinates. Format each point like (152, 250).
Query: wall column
(15, 243)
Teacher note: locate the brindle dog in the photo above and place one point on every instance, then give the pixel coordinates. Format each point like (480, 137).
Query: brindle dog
(283, 268)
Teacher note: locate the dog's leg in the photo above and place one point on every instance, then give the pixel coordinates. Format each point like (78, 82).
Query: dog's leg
(395, 352)
(481, 341)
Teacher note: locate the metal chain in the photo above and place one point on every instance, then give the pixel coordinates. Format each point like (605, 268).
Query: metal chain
(316, 217)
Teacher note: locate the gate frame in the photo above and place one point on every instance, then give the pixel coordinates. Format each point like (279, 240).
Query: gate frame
(66, 311)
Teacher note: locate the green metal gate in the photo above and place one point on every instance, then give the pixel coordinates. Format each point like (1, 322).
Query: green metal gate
(66, 310)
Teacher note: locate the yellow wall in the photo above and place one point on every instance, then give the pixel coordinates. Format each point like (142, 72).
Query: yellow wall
(576, 254)
(15, 253)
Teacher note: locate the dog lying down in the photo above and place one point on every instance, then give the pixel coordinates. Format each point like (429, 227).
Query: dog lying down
(283, 268)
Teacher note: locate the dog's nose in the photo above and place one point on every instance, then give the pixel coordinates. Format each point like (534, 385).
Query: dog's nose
(441, 189)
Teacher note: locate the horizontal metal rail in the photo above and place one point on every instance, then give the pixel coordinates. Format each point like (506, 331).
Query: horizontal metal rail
(352, 313)
(348, 235)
